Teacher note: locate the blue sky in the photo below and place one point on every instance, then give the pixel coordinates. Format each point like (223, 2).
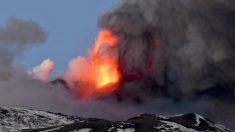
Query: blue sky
(70, 25)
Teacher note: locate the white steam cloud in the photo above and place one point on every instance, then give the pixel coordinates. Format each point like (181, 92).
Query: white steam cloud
(43, 71)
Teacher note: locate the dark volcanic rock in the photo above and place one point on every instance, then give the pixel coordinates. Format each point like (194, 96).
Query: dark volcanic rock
(61, 82)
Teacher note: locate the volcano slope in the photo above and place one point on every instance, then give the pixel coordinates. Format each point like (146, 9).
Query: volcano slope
(25, 120)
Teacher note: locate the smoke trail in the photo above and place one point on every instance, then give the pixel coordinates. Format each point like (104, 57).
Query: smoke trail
(15, 37)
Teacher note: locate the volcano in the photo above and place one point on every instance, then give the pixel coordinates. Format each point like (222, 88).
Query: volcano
(25, 120)
(149, 56)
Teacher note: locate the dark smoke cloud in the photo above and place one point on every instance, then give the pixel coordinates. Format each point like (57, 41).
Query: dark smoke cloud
(191, 41)
(179, 47)
(15, 37)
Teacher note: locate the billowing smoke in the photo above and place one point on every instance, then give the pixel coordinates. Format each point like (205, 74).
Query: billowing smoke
(75, 66)
(15, 37)
(185, 46)
(18, 88)
(178, 50)
(173, 57)
(43, 71)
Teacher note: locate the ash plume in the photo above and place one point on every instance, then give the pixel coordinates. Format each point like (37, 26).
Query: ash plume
(15, 37)
(185, 46)
(169, 52)
(177, 49)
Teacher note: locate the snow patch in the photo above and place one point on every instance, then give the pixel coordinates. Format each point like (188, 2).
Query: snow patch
(198, 117)
(83, 130)
(53, 129)
(171, 126)
(15, 119)
(126, 130)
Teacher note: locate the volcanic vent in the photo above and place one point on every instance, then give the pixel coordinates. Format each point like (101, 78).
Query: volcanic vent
(98, 74)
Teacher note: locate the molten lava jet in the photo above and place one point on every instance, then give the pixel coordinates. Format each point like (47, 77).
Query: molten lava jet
(98, 74)
(103, 62)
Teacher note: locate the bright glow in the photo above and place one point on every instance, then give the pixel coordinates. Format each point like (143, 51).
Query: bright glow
(98, 75)
(106, 68)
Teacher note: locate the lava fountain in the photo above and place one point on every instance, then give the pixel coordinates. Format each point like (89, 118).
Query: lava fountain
(98, 75)
(103, 62)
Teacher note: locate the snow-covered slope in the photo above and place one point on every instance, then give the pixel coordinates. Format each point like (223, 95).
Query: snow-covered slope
(16, 119)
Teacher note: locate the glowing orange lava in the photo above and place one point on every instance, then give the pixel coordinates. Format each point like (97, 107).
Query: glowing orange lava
(98, 75)
(105, 37)
(105, 64)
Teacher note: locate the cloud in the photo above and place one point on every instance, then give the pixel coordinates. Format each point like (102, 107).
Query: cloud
(15, 37)
(43, 71)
